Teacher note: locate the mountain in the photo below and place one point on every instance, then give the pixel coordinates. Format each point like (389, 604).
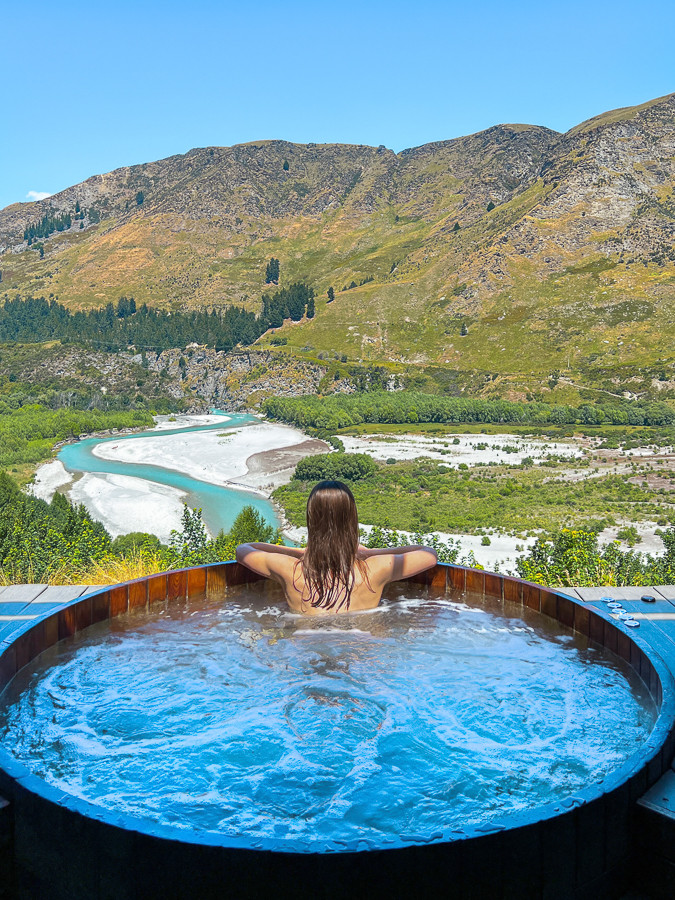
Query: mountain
(516, 254)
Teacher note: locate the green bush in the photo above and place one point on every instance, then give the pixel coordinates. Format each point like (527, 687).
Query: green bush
(629, 535)
(335, 467)
(125, 544)
(334, 441)
(39, 539)
(57, 542)
(447, 551)
(573, 557)
(250, 526)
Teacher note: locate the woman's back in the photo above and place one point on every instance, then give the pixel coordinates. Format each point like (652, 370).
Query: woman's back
(334, 573)
(377, 568)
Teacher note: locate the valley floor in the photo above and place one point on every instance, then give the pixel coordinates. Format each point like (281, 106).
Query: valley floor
(256, 458)
(582, 479)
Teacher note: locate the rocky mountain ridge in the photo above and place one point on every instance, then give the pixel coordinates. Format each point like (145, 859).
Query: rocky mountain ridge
(516, 251)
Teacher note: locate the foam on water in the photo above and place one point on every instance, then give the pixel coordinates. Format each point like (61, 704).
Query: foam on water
(314, 732)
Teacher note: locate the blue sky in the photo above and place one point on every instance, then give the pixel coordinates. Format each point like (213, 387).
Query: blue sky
(88, 87)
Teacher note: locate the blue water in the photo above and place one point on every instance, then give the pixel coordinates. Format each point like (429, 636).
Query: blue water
(220, 505)
(402, 724)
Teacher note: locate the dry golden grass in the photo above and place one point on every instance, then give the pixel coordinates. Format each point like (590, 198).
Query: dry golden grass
(110, 570)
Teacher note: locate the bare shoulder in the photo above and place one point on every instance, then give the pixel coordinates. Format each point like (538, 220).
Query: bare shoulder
(269, 560)
(381, 565)
(398, 563)
(280, 564)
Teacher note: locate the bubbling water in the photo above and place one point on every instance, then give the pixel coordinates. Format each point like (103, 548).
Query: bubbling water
(399, 724)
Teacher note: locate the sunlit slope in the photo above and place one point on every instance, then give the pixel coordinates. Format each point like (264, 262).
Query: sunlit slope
(552, 252)
(210, 219)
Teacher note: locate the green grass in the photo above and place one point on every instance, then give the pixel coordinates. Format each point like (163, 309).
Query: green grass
(423, 495)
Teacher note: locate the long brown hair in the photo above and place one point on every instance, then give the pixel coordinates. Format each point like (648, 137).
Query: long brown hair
(332, 543)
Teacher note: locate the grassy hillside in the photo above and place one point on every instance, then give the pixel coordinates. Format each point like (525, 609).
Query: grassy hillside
(515, 256)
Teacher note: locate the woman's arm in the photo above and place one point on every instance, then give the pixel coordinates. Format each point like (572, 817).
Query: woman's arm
(266, 559)
(366, 552)
(395, 563)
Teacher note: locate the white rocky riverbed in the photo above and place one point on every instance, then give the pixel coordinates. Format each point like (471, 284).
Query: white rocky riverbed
(259, 457)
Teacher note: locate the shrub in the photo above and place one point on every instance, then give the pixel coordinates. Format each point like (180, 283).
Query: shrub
(572, 557)
(126, 544)
(629, 535)
(335, 466)
(334, 441)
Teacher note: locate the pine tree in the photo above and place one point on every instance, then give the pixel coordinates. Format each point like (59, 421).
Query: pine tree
(331, 295)
(140, 197)
(272, 272)
(463, 330)
(286, 166)
(455, 227)
(310, 308)
(490, 206)
(250, 526)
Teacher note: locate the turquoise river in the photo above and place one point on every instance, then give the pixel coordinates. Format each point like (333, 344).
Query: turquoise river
(220, 505)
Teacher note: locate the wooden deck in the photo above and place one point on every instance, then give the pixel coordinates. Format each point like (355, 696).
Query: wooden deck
(21, 602)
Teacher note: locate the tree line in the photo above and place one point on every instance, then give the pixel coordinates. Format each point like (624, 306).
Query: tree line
(61, 543)
(28, 434)
(47, 225)
(329, 414)
(114, 327)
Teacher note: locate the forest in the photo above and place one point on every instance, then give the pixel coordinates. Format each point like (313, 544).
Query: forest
(331, 413)
(60, 543)
(116, 327)
(28, 434)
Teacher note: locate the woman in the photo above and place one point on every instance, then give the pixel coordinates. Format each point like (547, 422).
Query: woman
(334, 573)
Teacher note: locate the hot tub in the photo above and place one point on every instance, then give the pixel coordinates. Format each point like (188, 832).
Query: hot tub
(68, 846)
